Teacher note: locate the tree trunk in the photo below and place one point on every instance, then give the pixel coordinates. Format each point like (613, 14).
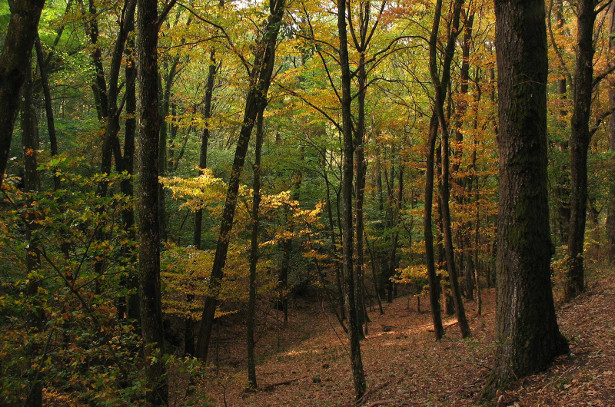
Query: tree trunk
(29, 141)
(562, 183)
(256, 200)
(579, 145)
(434, 281)
(127, 165)
(526, 325)
(14, 64)
(147, 202)
(356, 363)
(610, 218)
(260, 79)
(361, 169)
(198, 216)
(51, 128)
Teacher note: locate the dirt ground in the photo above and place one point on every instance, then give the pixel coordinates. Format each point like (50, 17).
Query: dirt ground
(306, 363)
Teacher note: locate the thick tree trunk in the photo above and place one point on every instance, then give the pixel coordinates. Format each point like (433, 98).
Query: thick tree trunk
(579, 145)
(147, 202)
(14, 64)
(255, 101)
(256, 200)
(356, 363)
(526, 325)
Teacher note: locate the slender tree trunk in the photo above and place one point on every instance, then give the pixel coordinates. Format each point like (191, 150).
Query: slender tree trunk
(440, 87)
(256, 199)
(361, 169)
(29, 141)
(131, 308)
(447, 232)
(147, 202)
(562, 183)
(164, 106)
(207, 112)
(526, 325)
(287, 247)
(99, 86)
(255, 101)
(356, 363)
(14, 64)
(340, 308)
(198, 216)
(51, 128)
(610, 218)
(434, 282)
(579, 146)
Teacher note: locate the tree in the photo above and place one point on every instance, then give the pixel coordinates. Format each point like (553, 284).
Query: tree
(14, 63)
(610, 222)
(441, 84)
(579, 144)
(260, 79)
(148, 23)
(256, 201)
(526, 324)
(358, 374)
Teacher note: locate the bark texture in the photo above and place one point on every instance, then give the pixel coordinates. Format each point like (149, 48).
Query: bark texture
(256, 201)
(526, 325)
(356, 362)
(610, 219)
(579, 146)
(14, 64)
(147, 203)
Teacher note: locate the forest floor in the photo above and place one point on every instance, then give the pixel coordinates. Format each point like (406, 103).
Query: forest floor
(307, 364)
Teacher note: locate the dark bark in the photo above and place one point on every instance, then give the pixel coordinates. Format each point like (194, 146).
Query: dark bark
(444, 185)
(51, 128)
(260, 79)
(356, 363)
(434, 281)
(198, 216)
(110, 95)
(361, 169)
(340, 307)
(256, 200)
(579, 145)
(464, 184)
(147, 202)
(610, 218)
(29, 141)
(287, 248)
(99, 85)
(526, 326)
(562, 183)
(127, 165)
(207, 112)
(14, 64)
(441, 85)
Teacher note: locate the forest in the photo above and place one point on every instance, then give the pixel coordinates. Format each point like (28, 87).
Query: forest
(307, 203)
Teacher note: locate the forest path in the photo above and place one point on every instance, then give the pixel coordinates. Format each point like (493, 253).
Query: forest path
(405, 367)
